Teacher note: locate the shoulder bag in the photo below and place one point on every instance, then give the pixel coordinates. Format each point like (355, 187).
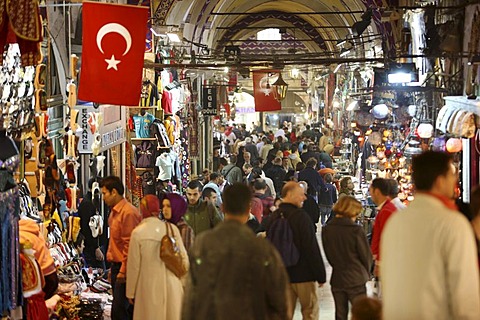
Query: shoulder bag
(170, 253)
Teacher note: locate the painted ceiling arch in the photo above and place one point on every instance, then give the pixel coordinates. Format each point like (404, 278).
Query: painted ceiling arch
(295, 21)
(203, 25)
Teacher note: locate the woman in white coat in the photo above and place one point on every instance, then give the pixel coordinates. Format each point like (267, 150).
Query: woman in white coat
(154, 290)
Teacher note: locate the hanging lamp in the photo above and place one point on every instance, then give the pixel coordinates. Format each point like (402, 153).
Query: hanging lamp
(280, 88)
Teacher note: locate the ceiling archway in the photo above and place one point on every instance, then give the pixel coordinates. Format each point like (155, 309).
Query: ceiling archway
(202, 25)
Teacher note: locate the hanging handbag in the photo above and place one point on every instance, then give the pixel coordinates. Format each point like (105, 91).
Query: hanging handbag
(170, 253)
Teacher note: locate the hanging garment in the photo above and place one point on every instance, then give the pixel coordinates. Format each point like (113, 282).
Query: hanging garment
(10, 275)
(165, 166)
(145, 154)
(158, 131)
(149, 96)
(20, 23)
(142, 125)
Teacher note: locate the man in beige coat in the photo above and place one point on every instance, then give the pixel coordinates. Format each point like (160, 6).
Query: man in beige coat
(429, 264)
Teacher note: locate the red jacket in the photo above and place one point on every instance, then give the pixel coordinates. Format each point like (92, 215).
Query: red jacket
(382, 216)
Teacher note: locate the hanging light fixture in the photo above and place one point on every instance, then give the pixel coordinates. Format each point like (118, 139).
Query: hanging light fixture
(280, 88)
(425, 130)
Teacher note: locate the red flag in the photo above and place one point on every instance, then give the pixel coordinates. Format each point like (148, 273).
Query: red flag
(263, 90)
(112, 57)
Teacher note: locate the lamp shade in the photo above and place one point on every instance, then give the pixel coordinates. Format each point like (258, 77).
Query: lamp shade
(454, 145)
(280, 88)
(425, 130)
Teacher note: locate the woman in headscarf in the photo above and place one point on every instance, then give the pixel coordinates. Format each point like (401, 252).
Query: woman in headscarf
(174, 207)
(154, 290)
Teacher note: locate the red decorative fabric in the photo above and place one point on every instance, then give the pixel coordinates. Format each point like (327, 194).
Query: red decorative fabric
(20, 23)
(113, 53)
(36, 307)
(263, 91)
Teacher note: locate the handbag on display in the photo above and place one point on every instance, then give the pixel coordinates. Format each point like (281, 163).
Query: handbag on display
(170, 253)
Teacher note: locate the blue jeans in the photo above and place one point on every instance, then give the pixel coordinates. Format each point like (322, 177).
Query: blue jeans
(325, 212)
(121, 308)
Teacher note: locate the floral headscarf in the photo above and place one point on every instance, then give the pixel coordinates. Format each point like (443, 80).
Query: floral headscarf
(149, 206)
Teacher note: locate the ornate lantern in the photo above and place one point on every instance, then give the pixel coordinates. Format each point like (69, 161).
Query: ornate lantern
(280, 88)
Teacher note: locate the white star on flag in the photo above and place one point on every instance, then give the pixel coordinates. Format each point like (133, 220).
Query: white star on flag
(112, 63)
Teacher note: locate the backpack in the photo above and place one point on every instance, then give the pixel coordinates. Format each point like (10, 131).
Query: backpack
(281, 235)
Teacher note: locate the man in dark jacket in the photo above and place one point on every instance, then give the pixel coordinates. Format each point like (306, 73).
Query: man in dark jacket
(314, 180)
(234, 274)
(309, 269)
(231, 172)
(311, 153)
(201, 215)
(252, 148)
(310, 205)
(277, 174)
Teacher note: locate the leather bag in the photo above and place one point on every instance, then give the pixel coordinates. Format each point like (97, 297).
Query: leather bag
(170, 253)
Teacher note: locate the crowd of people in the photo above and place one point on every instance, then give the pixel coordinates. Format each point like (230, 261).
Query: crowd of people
(242, 242)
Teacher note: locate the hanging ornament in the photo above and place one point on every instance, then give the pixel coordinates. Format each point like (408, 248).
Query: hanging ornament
(454, 145)
(388, 145)
(425, 130)
(438, 144)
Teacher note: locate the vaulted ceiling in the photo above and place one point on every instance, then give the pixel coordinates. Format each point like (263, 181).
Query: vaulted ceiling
(317, 24)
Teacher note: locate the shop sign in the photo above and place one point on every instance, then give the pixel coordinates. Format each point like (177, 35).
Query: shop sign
(114, 137)
(245, 109)
(209, 101)
(86, 138)
(111, 133)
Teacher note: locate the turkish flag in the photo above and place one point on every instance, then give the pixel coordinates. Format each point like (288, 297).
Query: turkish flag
(263, 90)
(113, 49)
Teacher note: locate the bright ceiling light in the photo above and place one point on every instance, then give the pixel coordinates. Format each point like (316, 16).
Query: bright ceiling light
(401, 77)
(341, 42)
(173, 37)
(295, 73)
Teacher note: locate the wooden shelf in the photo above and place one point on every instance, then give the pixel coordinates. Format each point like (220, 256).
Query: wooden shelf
(143, 139)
